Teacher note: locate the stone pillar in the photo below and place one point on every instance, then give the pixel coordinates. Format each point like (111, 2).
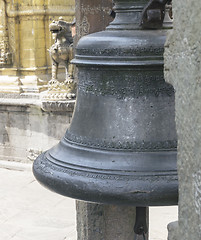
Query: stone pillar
(28, 39)
(104, 222)
(92, 16)
(183, 70)
(99, 221)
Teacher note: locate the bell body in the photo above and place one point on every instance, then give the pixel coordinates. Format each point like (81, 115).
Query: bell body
(121, 145)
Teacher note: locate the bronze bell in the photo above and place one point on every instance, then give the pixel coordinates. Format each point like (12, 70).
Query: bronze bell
(121, 146)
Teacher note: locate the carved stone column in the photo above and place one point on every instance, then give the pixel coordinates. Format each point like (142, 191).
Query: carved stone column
(92, 16)
(28, 39)
(105, 222)
(5, 54)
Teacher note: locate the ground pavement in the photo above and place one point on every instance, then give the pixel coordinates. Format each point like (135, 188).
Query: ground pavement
(30, 212)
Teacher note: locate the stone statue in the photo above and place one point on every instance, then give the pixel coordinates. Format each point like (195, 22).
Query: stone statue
(61, 53)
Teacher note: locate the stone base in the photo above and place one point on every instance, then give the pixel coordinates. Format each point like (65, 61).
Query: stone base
(58, 106)
(60, 90)
(34, 84)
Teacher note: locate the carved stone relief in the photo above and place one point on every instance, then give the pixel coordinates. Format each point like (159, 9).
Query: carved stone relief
(92, 16)
(5, 54)
(84, 27)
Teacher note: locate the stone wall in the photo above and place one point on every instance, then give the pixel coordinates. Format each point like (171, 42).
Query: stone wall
(26, 129)
(183, 70)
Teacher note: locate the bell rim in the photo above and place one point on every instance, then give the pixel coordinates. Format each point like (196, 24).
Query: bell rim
(139, 189)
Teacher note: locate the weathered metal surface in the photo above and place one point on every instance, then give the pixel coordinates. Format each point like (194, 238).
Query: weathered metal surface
(121, 146)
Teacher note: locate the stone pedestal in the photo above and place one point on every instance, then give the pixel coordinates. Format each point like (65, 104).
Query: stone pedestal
(183, 70)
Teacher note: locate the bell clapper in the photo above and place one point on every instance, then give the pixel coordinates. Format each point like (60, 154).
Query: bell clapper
(140, 228)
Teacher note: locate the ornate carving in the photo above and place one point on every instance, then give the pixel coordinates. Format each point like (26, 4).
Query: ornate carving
(89, 13)
(84, 27)
(86, 9)
(60, 90)
(90, 174)
(58, 106)
(5, 54)
(137, 84)
(142, 146)
(33, 154)
(138, 51)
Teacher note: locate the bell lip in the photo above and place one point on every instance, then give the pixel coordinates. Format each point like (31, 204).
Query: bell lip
(138, 190)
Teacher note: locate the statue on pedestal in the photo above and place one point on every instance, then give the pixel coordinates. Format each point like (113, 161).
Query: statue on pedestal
(61, 53)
